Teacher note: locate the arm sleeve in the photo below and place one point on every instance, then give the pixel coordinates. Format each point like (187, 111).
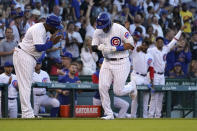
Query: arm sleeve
(174, 40)
(151, 70)
(126, 36)
(44, 47)
(95, 40)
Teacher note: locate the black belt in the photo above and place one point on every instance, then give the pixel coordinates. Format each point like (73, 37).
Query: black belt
(40, 94)
(141, 74)
(26, 52)
(114, 59)
(160, 73)
(11, 98)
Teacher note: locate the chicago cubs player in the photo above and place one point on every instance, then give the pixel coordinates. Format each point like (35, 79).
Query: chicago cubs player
(27, 52)
(142, 63)
(118, 102)
(8, 78)
(114, 41)
(40, 96)
(159, 53)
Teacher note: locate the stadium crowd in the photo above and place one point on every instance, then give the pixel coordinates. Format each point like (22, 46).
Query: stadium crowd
(73, 54)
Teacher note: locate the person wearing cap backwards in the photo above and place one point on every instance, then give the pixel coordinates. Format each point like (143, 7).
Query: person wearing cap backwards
(159, 53)
(40, 96)
(118, 102)
(26, 54)
(8, 78)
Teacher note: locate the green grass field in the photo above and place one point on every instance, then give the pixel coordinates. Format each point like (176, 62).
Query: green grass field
(81, 124)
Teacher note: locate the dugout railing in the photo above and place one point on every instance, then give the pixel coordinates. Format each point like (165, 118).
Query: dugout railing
(172, 85)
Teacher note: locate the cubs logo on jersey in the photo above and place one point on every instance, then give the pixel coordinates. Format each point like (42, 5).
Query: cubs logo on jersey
(115, 41)
(149, 61)
(14, 83)
(164, 57)
(126, 35)
(44, 80)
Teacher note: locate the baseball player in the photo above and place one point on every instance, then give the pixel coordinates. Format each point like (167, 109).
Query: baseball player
(114, 41)
(26, 54)
(40, 96)
(118, 102)
(142, 63)
(8, 78)
(159, 53)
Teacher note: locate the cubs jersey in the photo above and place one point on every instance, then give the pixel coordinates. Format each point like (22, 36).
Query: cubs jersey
(41, 77)
(36, 34)
(141, 61)
(12, 88)
(117, 36)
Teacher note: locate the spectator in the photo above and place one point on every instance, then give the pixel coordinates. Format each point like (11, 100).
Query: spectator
(7, 47)
(57, 65)
(186, 17)
(193, 69)
(176, 18)
(164, 21)
(73, 41)
(134, 7)
(88, 57)
(193, 46)
(66, 61)
(76, 9)
(64, 95)
(138, 23)
(150, 35)
(177, 71)
(157, 28)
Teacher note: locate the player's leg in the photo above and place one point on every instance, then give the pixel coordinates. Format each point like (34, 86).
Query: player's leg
(121, 70)
(160, 99)
(146, 96)
(0, 106)
(96, 101)
(122, 105)
(36, 105)
(24, 67)
(105, 79)
(53, 102)
(12, 108)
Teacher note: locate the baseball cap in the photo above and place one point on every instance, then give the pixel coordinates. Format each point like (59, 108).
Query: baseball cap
(17, 6)
(8, 64)
(54, 21)
(177, 64)
(67, 54)
(137, 33)
(101, 60)
(159, 37)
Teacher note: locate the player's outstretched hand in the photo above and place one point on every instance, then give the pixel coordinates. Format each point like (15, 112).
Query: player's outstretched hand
(56, 37)
(183, 27)
(128, 46)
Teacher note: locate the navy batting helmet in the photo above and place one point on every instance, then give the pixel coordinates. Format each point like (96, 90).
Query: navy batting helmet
(103, 20)
(54, 21)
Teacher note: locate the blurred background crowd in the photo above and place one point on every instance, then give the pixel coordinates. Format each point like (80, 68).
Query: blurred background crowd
(151, 18)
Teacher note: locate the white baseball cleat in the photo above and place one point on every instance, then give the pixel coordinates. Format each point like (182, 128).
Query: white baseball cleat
(107, 118)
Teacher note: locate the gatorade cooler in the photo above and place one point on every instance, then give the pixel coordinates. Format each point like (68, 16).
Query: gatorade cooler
(87, 111)
(65, 111)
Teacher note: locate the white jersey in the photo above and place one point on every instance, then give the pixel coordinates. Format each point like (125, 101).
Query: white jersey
(117, 36)
(36, 34)
(41, 77)
(12, 88)
(141, 61)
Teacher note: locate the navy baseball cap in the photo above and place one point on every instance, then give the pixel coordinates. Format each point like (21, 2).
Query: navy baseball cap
(67, 54)
(8, 64)
(177, 64)
(137, 33)
(54, 21)
(101, 60)
(159, 37)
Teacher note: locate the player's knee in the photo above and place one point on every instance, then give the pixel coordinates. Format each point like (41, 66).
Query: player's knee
(55, 103)
(117, 92)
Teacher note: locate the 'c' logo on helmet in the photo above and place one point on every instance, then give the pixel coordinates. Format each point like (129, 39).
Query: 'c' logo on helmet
(115, 41)
(99, 23)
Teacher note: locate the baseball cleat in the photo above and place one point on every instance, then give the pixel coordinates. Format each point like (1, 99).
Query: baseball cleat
(107, 117)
